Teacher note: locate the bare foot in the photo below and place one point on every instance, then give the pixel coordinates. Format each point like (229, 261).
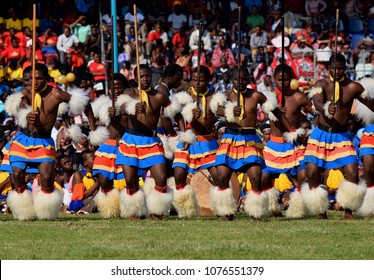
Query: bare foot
(348, 215)
(155, 217)
(322, 216)
(228, 218)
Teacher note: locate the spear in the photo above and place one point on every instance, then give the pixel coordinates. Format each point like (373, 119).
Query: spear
(33, 57)
(113, 60)
(198, 63)
(336, 49)
(283, 62)
(239, 49)
(137, 53)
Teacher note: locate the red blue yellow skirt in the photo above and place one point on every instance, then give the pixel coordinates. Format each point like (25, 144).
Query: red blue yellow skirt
(239, 149)
(140, 151)
(200, 155)
(367, 141)
(5, 165)
(330, 150)
(105, 161)
(280, 157)
(27, 151)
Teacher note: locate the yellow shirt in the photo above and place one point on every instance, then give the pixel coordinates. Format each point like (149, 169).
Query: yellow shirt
(15, 74)
(8, 187)
(28, 22)
(282, 183)
(10, 23)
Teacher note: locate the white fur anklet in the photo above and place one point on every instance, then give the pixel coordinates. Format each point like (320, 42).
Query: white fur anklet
(132, 205)
(47, 205)
(21, 205)
(350, 195)
(257, 205)
(108, 203)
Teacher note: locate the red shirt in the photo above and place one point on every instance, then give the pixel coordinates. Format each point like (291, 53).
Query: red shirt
(97, 70)
(153, 35)
(77, 60)
(178, 41)
(11, 52)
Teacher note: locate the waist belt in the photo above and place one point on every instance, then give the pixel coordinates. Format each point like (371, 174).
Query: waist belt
(204, 138)
(240, 131)
(277, 139)
(149, 133)
(333, 129)
(35, 134)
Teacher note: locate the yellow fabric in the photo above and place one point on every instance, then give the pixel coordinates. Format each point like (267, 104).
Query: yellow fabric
(54, 73)
(119, 184)
(241, 102)
(337, 88)
(15, 74)
(203, 99)
(38, 99)
(144, 96)
(88, 181)
(334, 178)
(8, 187)
(58, 187)
(247, 184)
(282, 183)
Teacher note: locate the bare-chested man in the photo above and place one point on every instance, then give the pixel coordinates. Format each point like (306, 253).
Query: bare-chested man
(241, 148)
(111, 177)
(34, 147)
(331, 145)
(140, 148)
(281, 153)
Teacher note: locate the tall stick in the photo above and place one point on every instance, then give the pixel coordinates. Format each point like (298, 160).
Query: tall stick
(113, 59)
(335, 51)
(198, 63)
(33, 57)
(283, 61)
(102, 46)
(239, 50)
(137, 54)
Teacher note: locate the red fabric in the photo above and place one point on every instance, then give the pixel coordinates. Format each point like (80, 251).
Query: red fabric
(77, 60)
(287, 92)
(11, 52)
(153, 35)
(179, 41)
(218, 53)
(78, 192)
(96, 67)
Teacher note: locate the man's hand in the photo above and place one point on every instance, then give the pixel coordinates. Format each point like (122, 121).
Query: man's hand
(237, 111)
(185, 146)
(140, 108)
(112, 112)
(332, 109)
(196, 113)
(33, 117)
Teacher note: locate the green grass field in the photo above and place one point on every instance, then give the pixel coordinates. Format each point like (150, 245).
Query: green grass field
(90, 237)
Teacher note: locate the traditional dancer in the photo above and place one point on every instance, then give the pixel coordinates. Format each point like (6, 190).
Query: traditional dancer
(330, 144)
(140, 148)
(34, 147)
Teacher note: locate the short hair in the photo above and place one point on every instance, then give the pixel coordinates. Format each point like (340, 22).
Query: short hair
(141, 66)
(204, 70)
(241, 69)
(42, 68)
(172, 69)
(339, 59)
(121, 78)
(282, 68)
(85, 154)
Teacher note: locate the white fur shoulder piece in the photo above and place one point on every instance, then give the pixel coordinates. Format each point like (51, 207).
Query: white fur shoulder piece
(75, 133)
(326, 109)
(173, 108)
(183, 97)
(218, 99)
(78, 100)
(98, 103)
(123, 99)
(314, 91)
(22, 116)
(12, 103)
(229, 112)
(271, 102)
(63, 108)
(131, 106)
(368, 85)
(187, 111)
(188, 136)
(99, 136)
(362, 112)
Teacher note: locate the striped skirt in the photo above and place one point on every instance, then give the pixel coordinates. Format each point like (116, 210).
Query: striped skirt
(105, 161)
(140, 151)
(240, 148)
(280, 156)
(200, 155)
(27, 151)
(367, 141)
(330, 150)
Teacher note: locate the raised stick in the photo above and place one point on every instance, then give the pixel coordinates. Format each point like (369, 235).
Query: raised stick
(336, 49)
(137, 54)
(33, 57)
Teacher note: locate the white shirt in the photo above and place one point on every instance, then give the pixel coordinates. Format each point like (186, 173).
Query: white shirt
(206, 39)
(323, 54)
(130, 17)
(64, 43)
(177, 20)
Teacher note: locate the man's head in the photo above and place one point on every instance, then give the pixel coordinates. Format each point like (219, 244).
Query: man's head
(204, 78)
(244, 78)
(173, 74)
(145, 76)
(287, 76)
(120, 83)
(340, 65)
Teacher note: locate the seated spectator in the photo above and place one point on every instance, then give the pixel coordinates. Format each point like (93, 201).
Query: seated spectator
(156, 34)
(180, 38)
(98, 69)
(14, 74)
(183, 58)
(225, 84)
(155, 16)
(127, 71)
(48, 21)
(66, 41)
(27, 21)
(13, 53)
(205, 38)
(266, 85)
(177, 19)
(259, 38)
(81, 28)
(13, 21)
(219, 71)
(254, 19)
(129, 22)
(196, 17)
(222, 50)
(365, 69)
(314, 9)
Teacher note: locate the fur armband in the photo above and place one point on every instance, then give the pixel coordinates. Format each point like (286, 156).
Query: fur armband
(368, 85)
(269, 105)
(131, 106)
(12, 103)
(75, 133)
(314, 91)
(229, 112)
(167, 150)
(99, 136)
(100, 109)
(173, 108)
(183, 98)
(326, 109)
(22, 116)
(292, 136)
(63, 108)
(188, 136)
(78, 100)
(187, 111)
(218, 99)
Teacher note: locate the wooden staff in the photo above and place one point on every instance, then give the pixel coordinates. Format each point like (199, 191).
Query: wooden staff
(283, 61)
(114, 29)
(102, 46)
(198, 63)
(33, 57)
(239, 49)
(137, 54)
(336, 50)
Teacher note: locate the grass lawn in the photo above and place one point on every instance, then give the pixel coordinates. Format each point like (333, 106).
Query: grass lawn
(90, 237)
